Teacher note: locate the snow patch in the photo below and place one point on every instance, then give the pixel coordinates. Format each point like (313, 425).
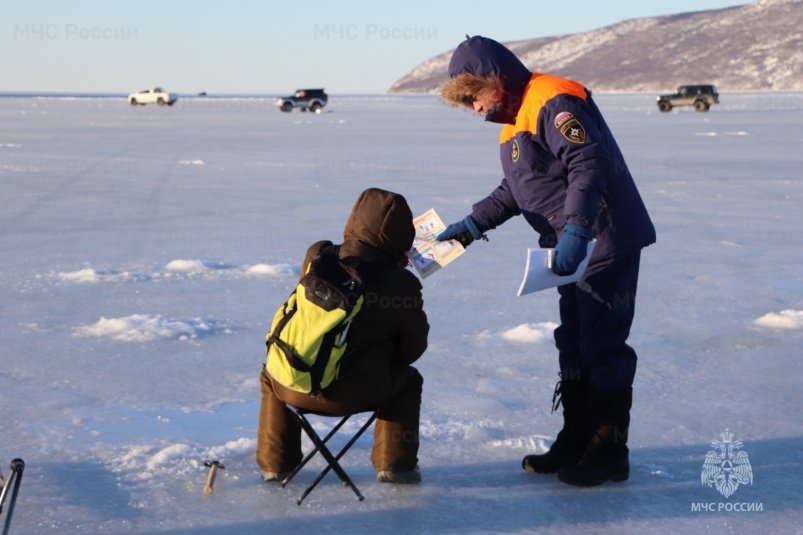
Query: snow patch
(19, 168)
(93, 276)
(185, 266)
(533, 443)
(530, 333)
(176, 269)
(451, 429)
(175, 459)
(130, 459)
(166, 455)
(191, 162)
(151, 327)
(270, 270)
(241, 445)
(738, 133)
(82, 275)
(256, 270)
(785, 319)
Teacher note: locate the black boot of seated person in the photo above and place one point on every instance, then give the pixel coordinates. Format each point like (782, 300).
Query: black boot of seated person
(573, 439)
(607, 455)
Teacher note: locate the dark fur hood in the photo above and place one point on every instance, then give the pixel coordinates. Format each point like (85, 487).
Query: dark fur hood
(480, 58)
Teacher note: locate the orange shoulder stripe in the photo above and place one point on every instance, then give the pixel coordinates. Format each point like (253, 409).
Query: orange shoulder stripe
(541, 89)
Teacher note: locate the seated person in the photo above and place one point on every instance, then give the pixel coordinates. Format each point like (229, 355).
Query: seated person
(385, 338)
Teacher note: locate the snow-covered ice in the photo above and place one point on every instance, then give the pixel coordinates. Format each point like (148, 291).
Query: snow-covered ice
(145, 249)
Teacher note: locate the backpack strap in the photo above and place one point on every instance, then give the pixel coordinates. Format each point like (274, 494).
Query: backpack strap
(318, 367)
(289, 354)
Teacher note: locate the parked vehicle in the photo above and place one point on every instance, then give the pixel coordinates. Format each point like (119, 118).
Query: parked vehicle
(154, 95)
(699, 96)
(304, 99)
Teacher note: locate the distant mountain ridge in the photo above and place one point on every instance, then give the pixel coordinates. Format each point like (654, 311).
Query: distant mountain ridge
(752, 47)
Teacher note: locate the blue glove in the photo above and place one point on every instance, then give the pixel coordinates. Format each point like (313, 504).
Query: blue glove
(465, 231)
(571, 249)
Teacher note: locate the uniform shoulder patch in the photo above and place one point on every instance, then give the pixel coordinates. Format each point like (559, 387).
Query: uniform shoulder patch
(570, 127)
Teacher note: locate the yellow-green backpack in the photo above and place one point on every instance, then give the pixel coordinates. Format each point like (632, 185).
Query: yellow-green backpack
(308, 336)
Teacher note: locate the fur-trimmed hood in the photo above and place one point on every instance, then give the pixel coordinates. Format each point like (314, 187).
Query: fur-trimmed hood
(463, 88)
(479, 67)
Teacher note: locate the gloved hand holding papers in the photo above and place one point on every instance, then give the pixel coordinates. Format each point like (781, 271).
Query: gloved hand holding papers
(538, 271)
(427, 254)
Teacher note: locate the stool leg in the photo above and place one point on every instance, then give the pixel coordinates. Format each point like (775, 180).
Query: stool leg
(331, 460)
(333, 464)
(307, 427)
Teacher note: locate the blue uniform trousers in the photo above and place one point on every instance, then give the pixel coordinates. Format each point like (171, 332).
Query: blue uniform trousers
(595, 315)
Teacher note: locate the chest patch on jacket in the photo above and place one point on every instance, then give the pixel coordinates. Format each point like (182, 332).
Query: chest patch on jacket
(570, 127)
(514, 151)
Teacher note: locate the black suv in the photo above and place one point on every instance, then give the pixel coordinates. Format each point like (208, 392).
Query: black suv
(305, 99)
(699, 96)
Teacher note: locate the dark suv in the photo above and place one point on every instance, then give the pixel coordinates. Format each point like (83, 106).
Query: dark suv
(305, 99)
(699, 96)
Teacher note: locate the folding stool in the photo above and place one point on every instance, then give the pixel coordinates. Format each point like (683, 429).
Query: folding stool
(320, 446)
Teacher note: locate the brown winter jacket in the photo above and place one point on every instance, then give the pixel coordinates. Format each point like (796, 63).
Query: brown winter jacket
(391, 329)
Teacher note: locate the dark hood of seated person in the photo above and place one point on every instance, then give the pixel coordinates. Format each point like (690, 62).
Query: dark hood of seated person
(379, 231)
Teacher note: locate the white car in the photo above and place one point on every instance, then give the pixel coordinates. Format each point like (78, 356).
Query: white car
(154, 95)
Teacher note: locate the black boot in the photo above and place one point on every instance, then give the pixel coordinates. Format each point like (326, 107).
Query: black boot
(573, 439)
(606, 458)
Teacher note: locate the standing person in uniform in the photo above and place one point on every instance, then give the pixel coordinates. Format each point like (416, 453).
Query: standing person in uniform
(564, 172)
(384, 340)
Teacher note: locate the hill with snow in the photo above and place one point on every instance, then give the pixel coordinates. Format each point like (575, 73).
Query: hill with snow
(751, 47)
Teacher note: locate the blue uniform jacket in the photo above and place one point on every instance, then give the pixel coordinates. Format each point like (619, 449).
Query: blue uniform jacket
(561, 163)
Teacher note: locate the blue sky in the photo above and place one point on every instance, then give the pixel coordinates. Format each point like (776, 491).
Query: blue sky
(248, 46)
